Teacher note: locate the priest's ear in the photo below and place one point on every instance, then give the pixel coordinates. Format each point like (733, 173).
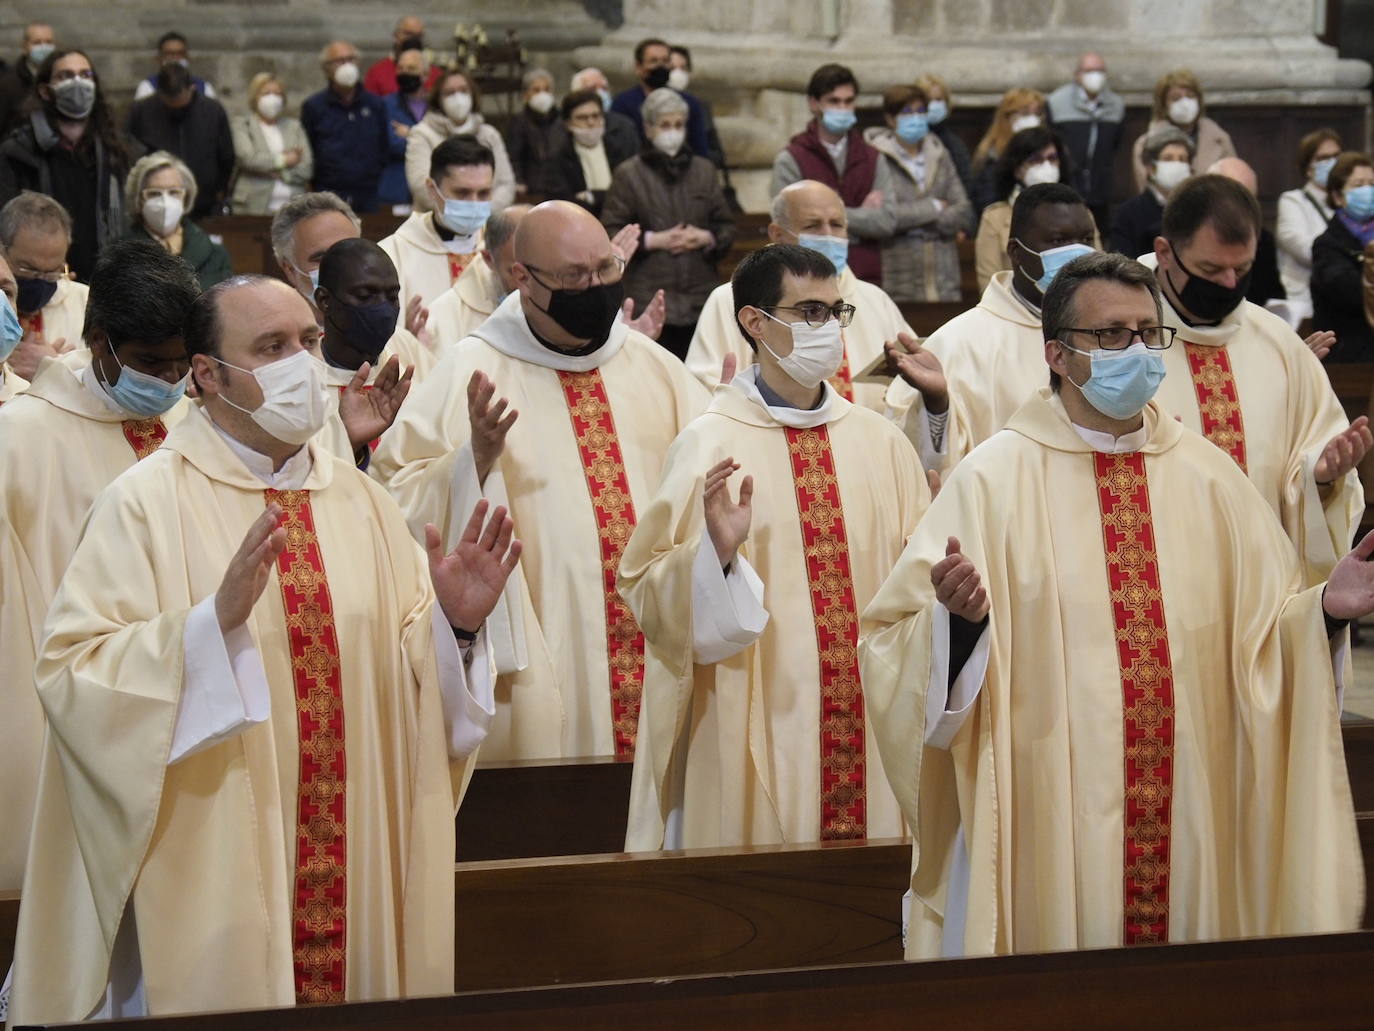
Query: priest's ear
(205, 371)
(751, 322)
(1058, 362)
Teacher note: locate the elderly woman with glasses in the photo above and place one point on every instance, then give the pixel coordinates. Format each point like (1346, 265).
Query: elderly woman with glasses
(687, 226)
(159, 192)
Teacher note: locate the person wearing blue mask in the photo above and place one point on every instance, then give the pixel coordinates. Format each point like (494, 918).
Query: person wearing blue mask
(1338, 259)
(831, 150)
(939, 105)
(921, 259)
(11, 332)
(1303, 215)
(77, 427)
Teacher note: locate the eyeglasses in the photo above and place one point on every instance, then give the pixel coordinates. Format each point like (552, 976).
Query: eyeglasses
(817, 314)
(606, 273)
(171, 191)
(52, 276)
(1118, 338)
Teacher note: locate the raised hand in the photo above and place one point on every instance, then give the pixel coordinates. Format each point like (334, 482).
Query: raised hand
(650, 321)
(490, 423)
(958, 584)
(1343, 452)
(933, 482)
(1349, 592)
(626, 242)
(366, 412)
(32, 349)
(249, 569)
(1321, 342)
(919, 368)
(468, 581)
(727, 522)
(417, 321)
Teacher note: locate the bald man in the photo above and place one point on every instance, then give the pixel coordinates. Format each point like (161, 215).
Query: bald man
(482, 286)
(1266, 285)
(598, 405)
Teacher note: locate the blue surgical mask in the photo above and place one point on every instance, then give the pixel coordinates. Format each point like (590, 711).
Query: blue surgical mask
(1052, 260)
(912, 128)
(837, 120)
(11, 332)
(937, 111)
(39, 52)
(605, 96)
(143, 395)
(1322, 170)
(1359, 202)
(465, 217)
(1121, 382)
(836, 248)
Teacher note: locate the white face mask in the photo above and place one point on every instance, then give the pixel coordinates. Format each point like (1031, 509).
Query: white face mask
(162, 213)
(1168, 174)
(1183, 111)
(1044, 172)
(588, 136)
(541, 102)
(816, 353)
(669, 140)
(678, 79)
(295, 397)
(346, 75)
(1094, 81)
(1025, 122)
(270, 105)
(458, 106)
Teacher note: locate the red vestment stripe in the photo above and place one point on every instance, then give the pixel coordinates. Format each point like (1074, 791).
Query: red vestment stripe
(456, 264)
(609, 487)
(843, 380)
(1147, 692)
(319, 900)
(32, 323)
(844, 799)
(1218, 400)
(144, 435)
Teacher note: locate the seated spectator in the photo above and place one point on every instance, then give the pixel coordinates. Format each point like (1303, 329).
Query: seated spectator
(347, 130)
(653, 65)
(533, 136)
(687, 226)
(191, 126)
(16, 81)
(591, 149)
(938, 106)
(85, 173)
(1339, 256)
(1303, 216)
(36, 233)
(172, 49)
(921, 259)
(1265, 285)
(453, 111)
(274, 157)
(1018, 109)
(679, 78)
(1088, 114)
(831, 150)
(1179, 102)
(405, 106)
(409, 33)
(1168, 154)
(159, 192)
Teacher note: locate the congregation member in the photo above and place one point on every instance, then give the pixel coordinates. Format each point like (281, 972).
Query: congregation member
(274, 158)
(179, 121)
(809, 214)
(594, 79)
(1339, 255)
(62, 442)
(347, 130)
(158, 196)
(593, 145)
(751, 727)
(1018, 110)
(17, 79)
(1178, 101)
(1265, 285)
(653, 66)
(920, 261)
(533, 136)
(674, 196)
(939, 103)
(405, 106)
(831, 150)
(172, 48)
(251, 612)
(70, 149)
(383, 78)
(1088, 114)
(11, 333)
(454, 104)
(1168, 154)
(556, 404)
(1303, 216)
(1170, 629)
(679, 78)
(35, 235)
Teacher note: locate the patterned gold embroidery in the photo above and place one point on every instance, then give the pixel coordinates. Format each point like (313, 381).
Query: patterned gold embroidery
(144, 435)
(1218, 400)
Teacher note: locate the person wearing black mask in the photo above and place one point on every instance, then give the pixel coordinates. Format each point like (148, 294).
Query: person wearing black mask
(183, 121)
(599, 405)
(653, 66)
(1240, 376)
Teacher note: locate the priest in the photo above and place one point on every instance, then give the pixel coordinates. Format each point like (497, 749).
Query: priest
(752, 728)
(1104, 697)
(297, 699)
(11, 333)
(482, 286)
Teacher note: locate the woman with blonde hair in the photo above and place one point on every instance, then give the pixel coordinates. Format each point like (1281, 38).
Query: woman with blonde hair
(158, 193)
(1020, 108)
(1178, 102)
(454, 104)
(274, 159)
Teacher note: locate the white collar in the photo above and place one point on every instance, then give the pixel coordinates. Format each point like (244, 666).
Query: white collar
(509, 332)
(746, 383)
(836, 150)
(292, 475)
(1105, 443)
(102, 393)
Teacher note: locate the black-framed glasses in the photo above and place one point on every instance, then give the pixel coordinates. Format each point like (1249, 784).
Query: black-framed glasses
(606, 273)
(817, 314)
(1118, 338)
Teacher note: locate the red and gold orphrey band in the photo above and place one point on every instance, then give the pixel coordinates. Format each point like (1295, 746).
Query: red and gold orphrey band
(609, 487)
(1147, 692)
(32, 323)
(1218, 400)
(843, 380)
(457, 263)
(144, 435)
(319, 898)
(844, 799)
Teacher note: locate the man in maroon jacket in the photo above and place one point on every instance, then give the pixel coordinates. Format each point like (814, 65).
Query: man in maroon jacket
(831, 150)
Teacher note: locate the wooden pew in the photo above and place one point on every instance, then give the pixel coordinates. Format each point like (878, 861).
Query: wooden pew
(248, 238)
(1353, 384)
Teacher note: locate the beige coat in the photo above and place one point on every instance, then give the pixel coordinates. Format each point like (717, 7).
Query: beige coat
(1213, 144)
(431, 131)
(259, 168)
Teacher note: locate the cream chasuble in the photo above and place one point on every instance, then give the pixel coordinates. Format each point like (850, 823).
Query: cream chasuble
(307, 857)
(61, 443)
(459, 310)
(590, 440)
(766, 741)
(876, 319)
(427, 265)
(1154, 751)
(11, 385)
(63, 317)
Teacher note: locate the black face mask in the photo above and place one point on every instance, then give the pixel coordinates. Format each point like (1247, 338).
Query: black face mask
(407, 83)
(657, 77)
(1208, 302)
(34, 294)
(366, 327)
(587, 314)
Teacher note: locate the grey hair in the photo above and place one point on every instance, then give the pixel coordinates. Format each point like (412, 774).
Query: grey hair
(501, 226)
(1160, 138)
(662, 102)
(580, 77)
(779, 211)
(534, 75)
(146, 166)
(297, 210)
(36, 211)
